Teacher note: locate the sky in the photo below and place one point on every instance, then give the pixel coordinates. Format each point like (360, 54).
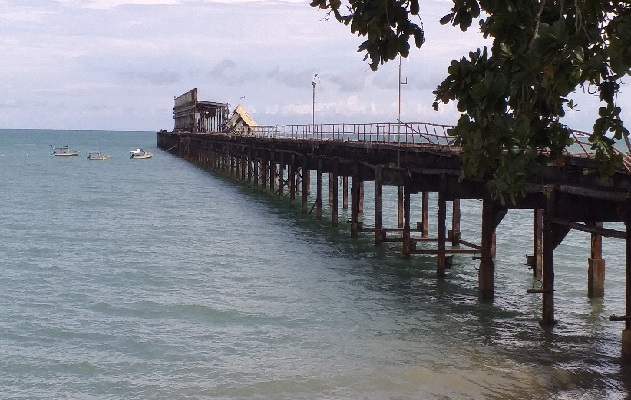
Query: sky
(118, 64)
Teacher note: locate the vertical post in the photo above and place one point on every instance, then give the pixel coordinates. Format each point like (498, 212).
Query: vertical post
(243, 159)
(455, 234)
(256, 174)
(407, 245)
(272, 174)
(292, 182)
(441, 262)
(264, 171)
(379, 205)
(345, 192)
(305, 183)
(319, 190)
(331, 188)
(425, 215)
(548, 258)
(249, 166)
(486, 272)
(538, 243)
(355, 201)
(596, 266)
(281, 177)
(400, 206)
(361, 197)
(334, 202)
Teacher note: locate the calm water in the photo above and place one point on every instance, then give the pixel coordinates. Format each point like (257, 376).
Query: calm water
(153, 279)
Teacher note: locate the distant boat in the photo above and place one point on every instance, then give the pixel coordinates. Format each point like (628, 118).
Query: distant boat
(96, 155)
(63, 151)
(139, 154)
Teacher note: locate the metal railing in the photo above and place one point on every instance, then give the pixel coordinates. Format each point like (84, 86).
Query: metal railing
(419, 134)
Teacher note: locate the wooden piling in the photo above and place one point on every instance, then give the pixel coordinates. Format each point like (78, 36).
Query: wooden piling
(345, 193)
(399, 206)
(424, 214)
(596, 266)
(335, 193)
(547, 318)
(319, 190)
(305, 185)
(454, 234)
(407, 246)
(355, 201)
(281, 177)
(486, 271)
(441, 262)
(379, 234)
(292, 182)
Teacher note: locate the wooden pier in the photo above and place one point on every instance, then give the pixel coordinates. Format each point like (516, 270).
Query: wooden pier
(566, 194)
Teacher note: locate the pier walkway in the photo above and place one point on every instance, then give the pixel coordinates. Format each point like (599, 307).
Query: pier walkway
(568, 193)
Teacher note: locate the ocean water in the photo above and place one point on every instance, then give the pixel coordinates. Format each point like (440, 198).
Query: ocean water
(154, 279)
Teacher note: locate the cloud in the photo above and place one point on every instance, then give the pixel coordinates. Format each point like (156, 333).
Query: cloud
(163, 77)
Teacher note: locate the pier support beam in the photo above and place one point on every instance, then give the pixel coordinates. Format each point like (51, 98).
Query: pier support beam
(292, 182)
(424, 214)
(399, 206)
(272, 174)
(441, 262)
(345, 193)
(454, 234)
(281, 177)
(379, 234)
(486, 272)
(264, 171)
(335, 193)
(305, 184)
(407, 243)
(547, 318)
(355, 202)
(256, 174)
(596, 266)
(319, 190)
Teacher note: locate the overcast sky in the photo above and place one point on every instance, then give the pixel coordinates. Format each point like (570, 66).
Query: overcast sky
(117, 64)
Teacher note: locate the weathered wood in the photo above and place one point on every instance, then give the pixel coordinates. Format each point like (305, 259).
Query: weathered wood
(355, 202)
(305, 184)
(400, 206)
(407, 244)
(345, 192)
(379, 234)
(292, 182)
(486, 271)
(548, 259)
(319, 190)
(442, 216)
(424, 214)
(334, 200)
(454, 234)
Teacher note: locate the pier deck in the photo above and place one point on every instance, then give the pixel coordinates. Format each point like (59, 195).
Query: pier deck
(566, 194)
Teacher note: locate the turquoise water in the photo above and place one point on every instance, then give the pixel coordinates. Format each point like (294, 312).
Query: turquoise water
(153, 279)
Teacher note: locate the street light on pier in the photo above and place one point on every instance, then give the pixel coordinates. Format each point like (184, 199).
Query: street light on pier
(313, 83)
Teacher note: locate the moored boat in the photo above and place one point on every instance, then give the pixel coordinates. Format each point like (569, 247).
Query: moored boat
(63, 151)
(139, 154)
(96, 155)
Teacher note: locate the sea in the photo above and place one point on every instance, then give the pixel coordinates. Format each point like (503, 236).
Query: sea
(156, 279)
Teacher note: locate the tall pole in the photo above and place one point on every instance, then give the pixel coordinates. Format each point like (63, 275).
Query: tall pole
(313, 83)
(400, 83)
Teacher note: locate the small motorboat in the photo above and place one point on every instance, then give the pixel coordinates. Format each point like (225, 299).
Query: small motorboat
(140, 154)
(96, 155)
(63, 151)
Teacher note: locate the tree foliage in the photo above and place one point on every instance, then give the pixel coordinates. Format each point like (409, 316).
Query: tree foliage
(512, 95)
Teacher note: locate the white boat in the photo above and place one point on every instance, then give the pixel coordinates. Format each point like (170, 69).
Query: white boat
(140, 154)
(96, 155)
(63, 151)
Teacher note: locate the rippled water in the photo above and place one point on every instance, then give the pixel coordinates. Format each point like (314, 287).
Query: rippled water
(153, 279)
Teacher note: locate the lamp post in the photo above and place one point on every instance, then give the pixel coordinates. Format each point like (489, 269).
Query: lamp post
(313, 83)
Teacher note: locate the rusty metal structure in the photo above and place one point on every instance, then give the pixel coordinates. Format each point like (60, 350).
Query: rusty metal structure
(192, 115)
(419, 158)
